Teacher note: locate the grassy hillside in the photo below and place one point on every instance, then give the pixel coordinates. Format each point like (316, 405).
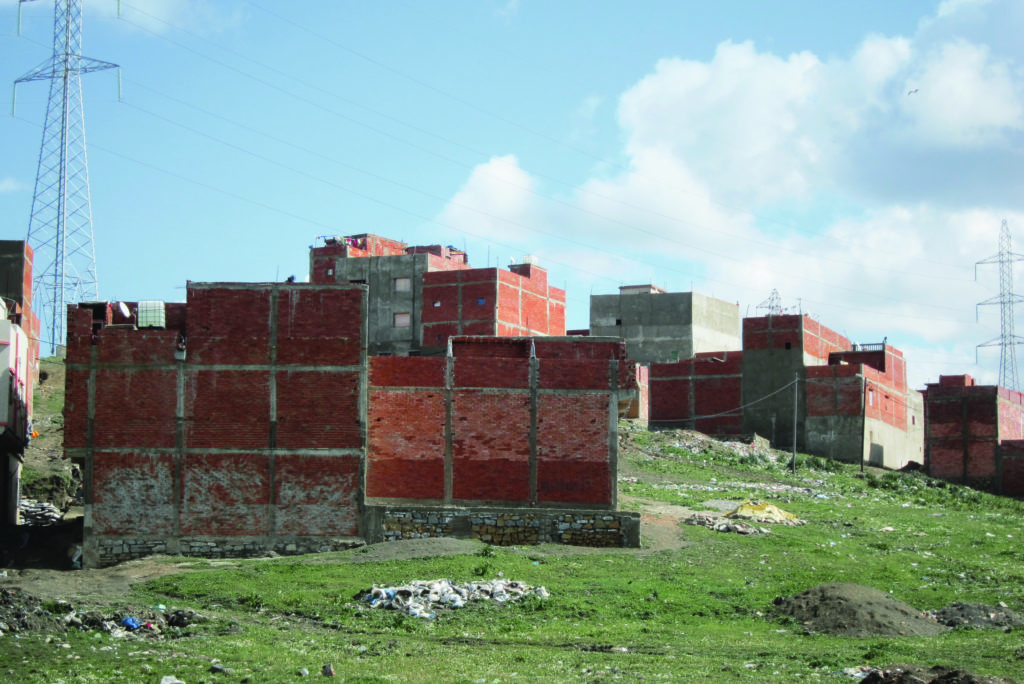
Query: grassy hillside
(693, 605)
(46, 476)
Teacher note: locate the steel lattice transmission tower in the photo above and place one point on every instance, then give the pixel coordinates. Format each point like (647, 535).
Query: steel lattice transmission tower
(60, 224)
(772, 305)
(1007, 340)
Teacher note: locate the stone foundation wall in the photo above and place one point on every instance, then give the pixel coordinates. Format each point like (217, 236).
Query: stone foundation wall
(114, 550)
(500, 527)
(505, 527)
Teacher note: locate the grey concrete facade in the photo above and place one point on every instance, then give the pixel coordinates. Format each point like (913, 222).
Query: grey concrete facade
(662, 327)
(387, 278)
(765, 373)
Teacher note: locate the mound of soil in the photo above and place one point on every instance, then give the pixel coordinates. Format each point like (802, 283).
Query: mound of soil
(918, 674)
(854, 610)
(977, 616)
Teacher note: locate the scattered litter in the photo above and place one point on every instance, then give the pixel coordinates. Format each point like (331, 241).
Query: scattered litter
(762, 512)
(720, 524)
(419, 598)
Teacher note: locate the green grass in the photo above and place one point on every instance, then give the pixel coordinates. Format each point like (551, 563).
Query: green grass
(698, 613)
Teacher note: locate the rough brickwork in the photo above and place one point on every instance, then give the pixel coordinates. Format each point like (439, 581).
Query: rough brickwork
(251, 423)
(703, 393)
(237, 429)
(1010, 475)
(973, 434)
(492, 424)
(490, 301)
(852, 401)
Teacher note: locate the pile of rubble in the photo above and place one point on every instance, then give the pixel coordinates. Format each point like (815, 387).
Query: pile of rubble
(421, 598)
(36, 513)
(23, 613)
(735, 520)
(720, 524)
(698, 443)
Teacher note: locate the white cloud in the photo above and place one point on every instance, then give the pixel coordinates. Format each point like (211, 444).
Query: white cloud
(964, 97)
(950, 7)
(496, 201)
(8, 184)
(736, 120)
(160, 16)
(821, 178)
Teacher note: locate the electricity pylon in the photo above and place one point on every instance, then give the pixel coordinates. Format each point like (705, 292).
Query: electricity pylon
(1007, 340)
(60, 224)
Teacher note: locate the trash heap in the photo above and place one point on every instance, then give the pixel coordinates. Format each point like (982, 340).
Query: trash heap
(735, 520)
(38, 513)
(420, 598)
(23, 613)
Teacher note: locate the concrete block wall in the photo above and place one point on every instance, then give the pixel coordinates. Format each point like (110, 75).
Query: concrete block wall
(240, 431)
(491, 424)
(702, 393)
(664, 327)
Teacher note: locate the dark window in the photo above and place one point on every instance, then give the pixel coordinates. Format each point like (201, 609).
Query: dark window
(789, 345)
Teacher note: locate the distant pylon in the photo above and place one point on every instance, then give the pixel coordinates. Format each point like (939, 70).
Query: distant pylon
(60, 224)
(1007, 340)
(773, 305)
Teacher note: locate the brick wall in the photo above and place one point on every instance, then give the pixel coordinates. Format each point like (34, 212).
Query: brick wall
(490, 424)
(244, 422)
(973, 434)
(490, 301)
(703, 393)
(798, 332)
(961, 432)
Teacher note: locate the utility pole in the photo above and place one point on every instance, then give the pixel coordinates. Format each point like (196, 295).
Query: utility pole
(60, 223)
(796, 391)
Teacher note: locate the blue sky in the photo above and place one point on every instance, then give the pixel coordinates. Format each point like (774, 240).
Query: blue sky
(726, 147)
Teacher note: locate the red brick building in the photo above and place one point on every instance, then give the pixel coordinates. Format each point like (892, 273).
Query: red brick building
(975, 434)
(419, 296)
(518, 302)
(251, 419)
(852, 401)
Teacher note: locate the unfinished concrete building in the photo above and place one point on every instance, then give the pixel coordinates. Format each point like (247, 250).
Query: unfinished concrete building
(662, 327)
(252, 419)
(419, 296)
(974, 434)
(851, 401)
(19, 369)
